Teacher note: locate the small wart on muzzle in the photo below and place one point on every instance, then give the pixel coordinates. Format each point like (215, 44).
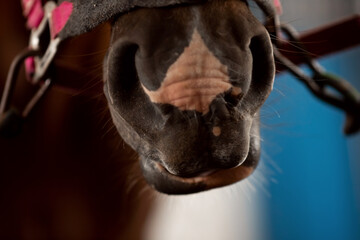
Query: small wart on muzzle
(194, 80)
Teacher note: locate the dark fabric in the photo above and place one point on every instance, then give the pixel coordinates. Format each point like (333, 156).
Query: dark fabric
(87, 14)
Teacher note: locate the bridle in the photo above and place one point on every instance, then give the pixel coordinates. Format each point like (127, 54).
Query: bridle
(69, 19)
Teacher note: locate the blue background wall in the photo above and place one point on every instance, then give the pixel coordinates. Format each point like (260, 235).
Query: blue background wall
(315, 168)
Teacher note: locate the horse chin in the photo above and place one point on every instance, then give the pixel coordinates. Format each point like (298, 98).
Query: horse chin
(165, 182)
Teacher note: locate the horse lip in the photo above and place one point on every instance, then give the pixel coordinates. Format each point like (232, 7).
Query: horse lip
(209, 180)
(199, 178)
(208, 173)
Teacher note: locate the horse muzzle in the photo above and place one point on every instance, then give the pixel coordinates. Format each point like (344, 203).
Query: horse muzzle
(186, 97)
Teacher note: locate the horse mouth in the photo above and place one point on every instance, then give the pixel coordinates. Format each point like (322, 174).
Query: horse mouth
(164, 181)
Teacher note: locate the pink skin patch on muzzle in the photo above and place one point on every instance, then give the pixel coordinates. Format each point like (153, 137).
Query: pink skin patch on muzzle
(194, 80)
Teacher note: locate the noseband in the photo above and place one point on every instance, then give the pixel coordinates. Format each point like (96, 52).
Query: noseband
(67, 19)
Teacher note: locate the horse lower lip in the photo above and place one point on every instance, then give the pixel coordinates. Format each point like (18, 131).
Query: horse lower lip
(207, 173)
(167, 183)
(196, 178)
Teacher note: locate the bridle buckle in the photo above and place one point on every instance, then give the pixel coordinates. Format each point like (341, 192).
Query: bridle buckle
(10, 119)
(40, 64)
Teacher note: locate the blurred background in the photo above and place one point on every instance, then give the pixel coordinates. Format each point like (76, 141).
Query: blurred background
(315, 188)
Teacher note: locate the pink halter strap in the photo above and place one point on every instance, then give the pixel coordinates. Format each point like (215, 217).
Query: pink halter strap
(34, 11)
(278, 7)
(60, 16)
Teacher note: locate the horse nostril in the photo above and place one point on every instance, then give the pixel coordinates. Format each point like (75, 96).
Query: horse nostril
(263, 71)
(219, 109)
(233, 96)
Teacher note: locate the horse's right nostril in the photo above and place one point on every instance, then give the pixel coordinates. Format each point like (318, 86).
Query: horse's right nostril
(263, 71)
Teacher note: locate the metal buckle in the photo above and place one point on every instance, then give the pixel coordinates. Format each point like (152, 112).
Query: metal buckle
(42, 63)
(11, 120)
